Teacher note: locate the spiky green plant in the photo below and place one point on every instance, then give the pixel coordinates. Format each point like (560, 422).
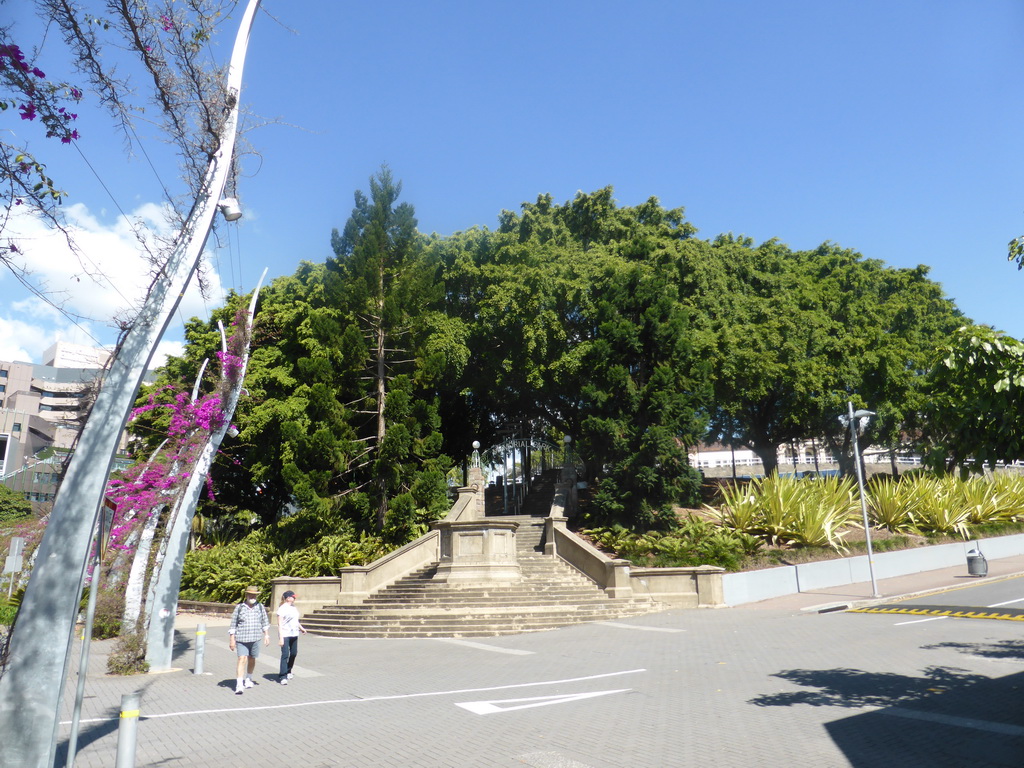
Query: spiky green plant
(891, 504)
(739, 510)
(827, 508)
(981, 500)
(1010, 487)
(939, 510)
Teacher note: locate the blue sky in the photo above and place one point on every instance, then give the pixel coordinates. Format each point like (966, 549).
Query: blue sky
(889, 128)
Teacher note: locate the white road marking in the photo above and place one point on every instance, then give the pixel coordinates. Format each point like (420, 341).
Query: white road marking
(996, 659)
(621, 625)
(490, 707)
(920, 621)
(483, 646)
(358, 700)
(961, 722)
(1008, 602)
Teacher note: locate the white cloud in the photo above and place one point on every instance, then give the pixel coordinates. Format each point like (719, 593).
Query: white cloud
(103, 282)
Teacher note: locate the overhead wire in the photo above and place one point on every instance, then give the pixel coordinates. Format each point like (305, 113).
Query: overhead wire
(120, 210)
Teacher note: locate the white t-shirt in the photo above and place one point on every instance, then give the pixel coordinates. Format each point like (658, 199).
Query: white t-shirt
(288, 620)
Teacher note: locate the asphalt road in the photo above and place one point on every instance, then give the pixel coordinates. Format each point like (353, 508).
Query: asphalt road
(756, 686)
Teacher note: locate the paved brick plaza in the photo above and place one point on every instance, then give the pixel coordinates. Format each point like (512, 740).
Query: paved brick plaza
(765, 685)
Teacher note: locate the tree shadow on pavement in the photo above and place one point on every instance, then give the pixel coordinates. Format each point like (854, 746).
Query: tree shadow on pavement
(1004, 649)
(943, 717)
(857, 688)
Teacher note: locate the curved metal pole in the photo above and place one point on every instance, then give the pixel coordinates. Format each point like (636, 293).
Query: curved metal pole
(167, 580)
(39, 653)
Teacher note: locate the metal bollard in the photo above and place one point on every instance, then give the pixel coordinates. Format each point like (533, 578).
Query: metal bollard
(127, 730)
(200, 648)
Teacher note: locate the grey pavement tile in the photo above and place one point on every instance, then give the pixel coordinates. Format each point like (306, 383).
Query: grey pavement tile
(736, 688)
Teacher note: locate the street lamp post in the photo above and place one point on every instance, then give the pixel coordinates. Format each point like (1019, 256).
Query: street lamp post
(853, 419)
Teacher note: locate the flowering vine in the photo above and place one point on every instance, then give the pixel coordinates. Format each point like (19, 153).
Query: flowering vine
(35, 97)
(145, 488)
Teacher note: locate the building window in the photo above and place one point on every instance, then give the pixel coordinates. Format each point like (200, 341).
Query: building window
(16, 429)
(3, 373)
(3, 387)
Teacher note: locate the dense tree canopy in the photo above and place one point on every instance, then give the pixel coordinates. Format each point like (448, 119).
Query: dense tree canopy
(798, 334)
(373, 372)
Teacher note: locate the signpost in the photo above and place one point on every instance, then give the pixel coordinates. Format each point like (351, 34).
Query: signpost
(14, 562)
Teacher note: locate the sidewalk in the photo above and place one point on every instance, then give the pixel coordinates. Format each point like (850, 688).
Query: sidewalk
(900, 587)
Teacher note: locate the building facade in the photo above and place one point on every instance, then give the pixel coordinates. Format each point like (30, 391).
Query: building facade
(42, 410)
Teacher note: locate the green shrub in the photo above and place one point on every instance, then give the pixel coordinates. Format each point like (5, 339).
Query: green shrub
(128, 656)
(7, 613)
(221, 574)
(981, 499)
(106, 621)
(939, 509)
(694, 542)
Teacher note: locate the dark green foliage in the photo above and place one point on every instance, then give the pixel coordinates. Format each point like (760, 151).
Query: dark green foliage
(13, 505)
(795, 335)
(614, 325)
(577, 327)
(694, 542)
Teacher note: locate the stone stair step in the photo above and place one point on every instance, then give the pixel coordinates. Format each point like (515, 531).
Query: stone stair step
(550, 594)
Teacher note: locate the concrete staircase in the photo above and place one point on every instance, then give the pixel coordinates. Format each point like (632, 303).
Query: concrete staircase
(551, 594)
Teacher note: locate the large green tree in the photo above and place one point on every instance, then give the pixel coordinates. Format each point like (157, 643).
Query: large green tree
(975, 406)
(798, 334)
(577, 327)
(394, 335)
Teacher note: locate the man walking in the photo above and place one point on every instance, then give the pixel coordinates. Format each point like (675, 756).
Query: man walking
(248, 622)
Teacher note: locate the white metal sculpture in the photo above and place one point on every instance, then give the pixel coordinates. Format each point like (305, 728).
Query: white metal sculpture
(37, 661)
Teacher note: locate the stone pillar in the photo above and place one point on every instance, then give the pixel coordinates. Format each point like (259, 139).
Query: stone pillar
(550, 523)
(478, 551)
(476, 480)
(617, 581)
(710, 591)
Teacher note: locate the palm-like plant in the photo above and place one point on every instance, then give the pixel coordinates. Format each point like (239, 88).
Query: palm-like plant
(891, 505)
(938, 508)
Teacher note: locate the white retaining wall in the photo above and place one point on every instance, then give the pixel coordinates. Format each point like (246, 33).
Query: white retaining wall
(753, 586)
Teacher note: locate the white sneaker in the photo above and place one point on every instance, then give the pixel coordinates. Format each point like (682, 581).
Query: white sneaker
(238, 690)
(284, 681)
(290, 675)
(248, 682)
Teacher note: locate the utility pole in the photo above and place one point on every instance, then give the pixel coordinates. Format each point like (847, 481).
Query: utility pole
(32, 685)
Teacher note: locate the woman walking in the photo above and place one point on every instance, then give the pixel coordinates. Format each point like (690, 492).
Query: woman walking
(288, 630)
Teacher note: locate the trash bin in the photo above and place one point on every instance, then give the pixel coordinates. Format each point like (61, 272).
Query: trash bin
(977, 565)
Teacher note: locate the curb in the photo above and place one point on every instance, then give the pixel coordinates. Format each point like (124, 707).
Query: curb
(850, 604)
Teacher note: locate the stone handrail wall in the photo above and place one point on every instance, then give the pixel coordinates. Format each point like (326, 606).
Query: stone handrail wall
(611, 575)
(699, 587)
